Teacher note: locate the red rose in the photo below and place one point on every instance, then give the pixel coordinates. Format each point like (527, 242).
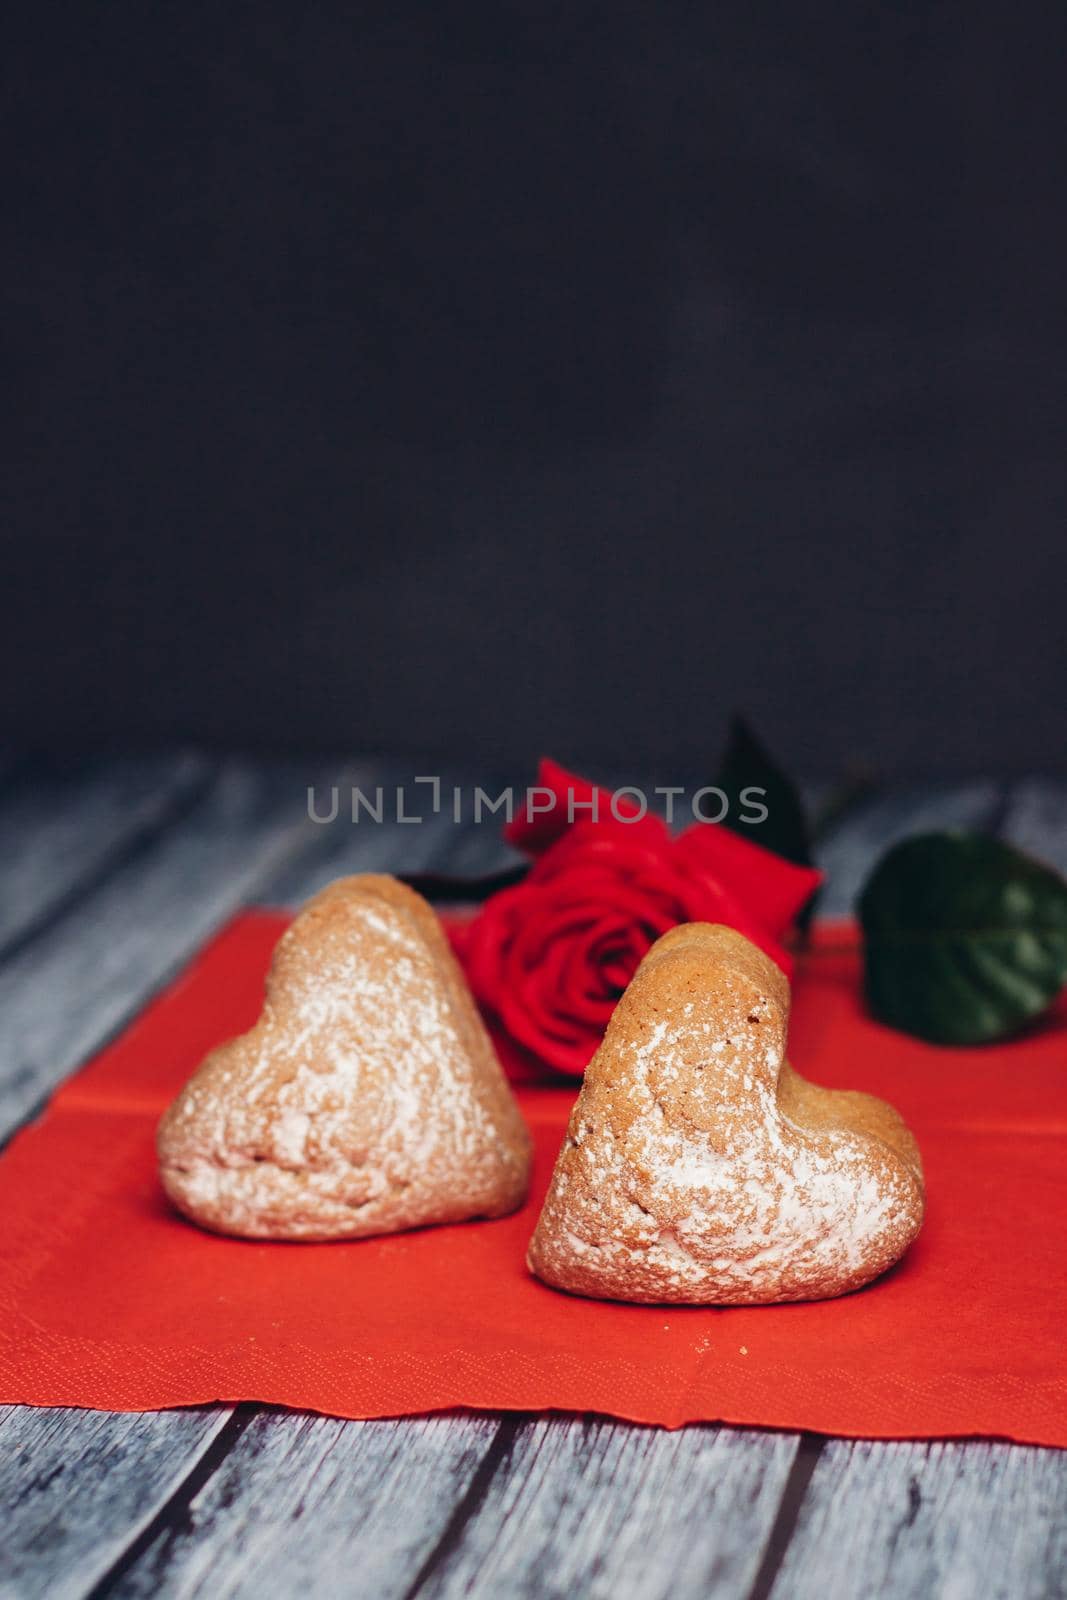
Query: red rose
(551, 956)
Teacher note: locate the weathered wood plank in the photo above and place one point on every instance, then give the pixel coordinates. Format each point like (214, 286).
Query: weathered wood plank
(344, 846)
(911, 1518)
(62, 996)
(76, 1487)
(62, 829)
(1035, 819)
(601, 1508)
(918, 1521)
(476, 851)
(102, 959)
(250, 833)
(248, 836)
(852, 845)
(189, 1570)
(312, 1505)
(290, 860)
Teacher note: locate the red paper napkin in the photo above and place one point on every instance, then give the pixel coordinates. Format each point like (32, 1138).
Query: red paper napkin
(110, 1300)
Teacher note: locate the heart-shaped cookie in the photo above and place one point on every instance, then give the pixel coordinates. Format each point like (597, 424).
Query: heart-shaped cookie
(366, 1099)
(699, 1168)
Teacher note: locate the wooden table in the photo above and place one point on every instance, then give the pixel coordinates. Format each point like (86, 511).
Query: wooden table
(112, 873)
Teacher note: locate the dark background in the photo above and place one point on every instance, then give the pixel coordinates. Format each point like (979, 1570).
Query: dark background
(556, 378)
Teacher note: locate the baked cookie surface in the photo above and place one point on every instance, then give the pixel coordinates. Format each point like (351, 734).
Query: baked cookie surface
(366, 1099)
(699, 1168)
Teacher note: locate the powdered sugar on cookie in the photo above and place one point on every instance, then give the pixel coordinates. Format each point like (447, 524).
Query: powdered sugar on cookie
(699, 1168)
(367, 1098)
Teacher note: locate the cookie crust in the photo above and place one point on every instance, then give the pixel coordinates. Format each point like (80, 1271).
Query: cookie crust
(366, 1099)
(699, 1168)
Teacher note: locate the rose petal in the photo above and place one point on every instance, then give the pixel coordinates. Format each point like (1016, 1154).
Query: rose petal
(571, 795)
(772, 889)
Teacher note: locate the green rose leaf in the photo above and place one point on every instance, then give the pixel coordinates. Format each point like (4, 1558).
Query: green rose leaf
(746, 769)
(965, 938)
(746, 765)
